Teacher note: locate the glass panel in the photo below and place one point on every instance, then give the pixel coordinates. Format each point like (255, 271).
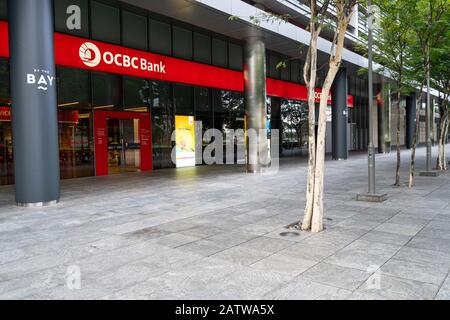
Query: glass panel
(123, 145)
(3, 9)
(203, 110)
(135, 94)
(235, 54)
(295, 72)
(294, 117)
(286, 71)
(160, 37)
(219, 53)
(61, 17)
(182, 43)
(183, 102)
(162, 124)
(274, 72)
(76, 151)
(105, 22)
(134, 30)
(6, 151)
(132, 145)
(202, 48)
(106, 91)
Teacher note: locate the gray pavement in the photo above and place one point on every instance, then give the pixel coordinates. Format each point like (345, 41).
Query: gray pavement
(214, 233)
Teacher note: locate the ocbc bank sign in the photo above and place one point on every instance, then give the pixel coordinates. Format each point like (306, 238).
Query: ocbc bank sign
(91, 56)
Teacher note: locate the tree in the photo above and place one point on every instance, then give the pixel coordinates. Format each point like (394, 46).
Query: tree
(392, 50)
(440, 79)
(429, 29)
(313, 214)
(320, 18)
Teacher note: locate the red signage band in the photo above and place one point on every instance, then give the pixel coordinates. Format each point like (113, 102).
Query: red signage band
(88, 54)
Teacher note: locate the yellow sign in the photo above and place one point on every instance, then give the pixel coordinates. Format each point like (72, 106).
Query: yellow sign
(185, 141)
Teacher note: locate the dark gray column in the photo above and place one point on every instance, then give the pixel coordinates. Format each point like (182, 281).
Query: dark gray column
(255, 102)
(33, 92)
(410, 120)
(339, 115)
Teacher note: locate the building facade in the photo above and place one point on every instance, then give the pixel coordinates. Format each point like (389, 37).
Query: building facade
(129, 72)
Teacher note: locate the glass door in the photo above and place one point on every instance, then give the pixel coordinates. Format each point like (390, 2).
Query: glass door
(6, 153)
(123, 145)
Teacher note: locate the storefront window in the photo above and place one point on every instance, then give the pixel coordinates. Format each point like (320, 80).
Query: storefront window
(135, 94)
(294, 117)
(76, 151)
(61, 16)
(134, 30)
(228, 110)
(162, 124)
(6, 148)
(182, 99)
(106, 91)
(105, 22)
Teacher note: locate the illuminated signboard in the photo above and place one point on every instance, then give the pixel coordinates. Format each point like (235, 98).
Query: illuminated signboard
(76, 52)
(185, 141)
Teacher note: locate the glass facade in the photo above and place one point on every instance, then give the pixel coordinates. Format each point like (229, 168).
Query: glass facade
(76, 149)
(82, 93)
(6, 149)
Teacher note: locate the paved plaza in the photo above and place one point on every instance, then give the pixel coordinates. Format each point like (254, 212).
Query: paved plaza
(214, 233)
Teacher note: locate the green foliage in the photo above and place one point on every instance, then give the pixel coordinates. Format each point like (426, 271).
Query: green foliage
(267, 17)
(410, 29)
(281, 64)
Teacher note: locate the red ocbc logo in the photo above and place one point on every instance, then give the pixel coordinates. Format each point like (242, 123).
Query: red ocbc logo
(91, 56)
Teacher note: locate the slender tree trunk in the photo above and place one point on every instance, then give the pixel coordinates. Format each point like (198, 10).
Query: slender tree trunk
(442, 163)
(317, 222)
(397, 170)
(335, 62)
(310, 74)
(415, 138)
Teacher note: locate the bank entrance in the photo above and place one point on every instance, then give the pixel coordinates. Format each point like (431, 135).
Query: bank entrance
(122, 142)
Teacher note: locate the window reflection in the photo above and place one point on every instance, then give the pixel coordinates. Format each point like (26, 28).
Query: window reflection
(76, 152)
(162, 124)
(294, 117)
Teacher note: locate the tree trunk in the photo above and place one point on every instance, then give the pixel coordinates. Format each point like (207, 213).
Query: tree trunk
(415, 138)
(311, 70)
(335, 62)
(317, 221)
(397, 170)
(442, 163)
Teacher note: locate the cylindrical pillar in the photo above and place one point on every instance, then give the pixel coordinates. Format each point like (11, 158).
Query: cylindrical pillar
(255, 102)
(33, 92)
(339, 115)
(410, 120)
